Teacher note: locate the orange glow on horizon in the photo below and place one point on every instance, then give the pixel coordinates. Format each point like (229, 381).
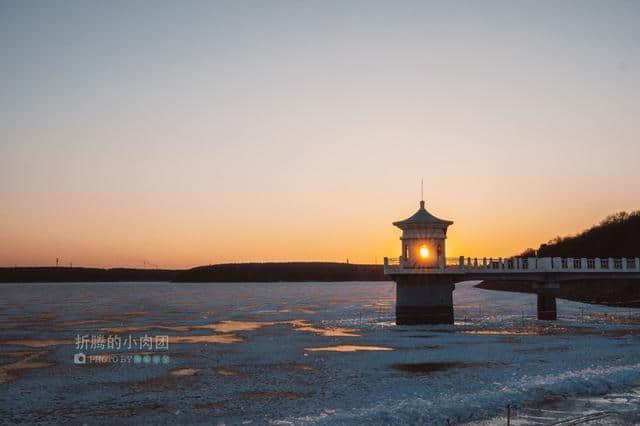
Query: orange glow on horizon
(169, 240)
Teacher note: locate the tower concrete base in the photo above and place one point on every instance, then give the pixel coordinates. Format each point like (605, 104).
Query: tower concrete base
(424, 299)
(547, 307)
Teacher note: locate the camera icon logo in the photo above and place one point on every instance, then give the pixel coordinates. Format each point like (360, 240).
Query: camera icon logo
(79, 358)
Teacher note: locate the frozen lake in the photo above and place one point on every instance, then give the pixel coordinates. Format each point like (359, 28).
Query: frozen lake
(297, 353)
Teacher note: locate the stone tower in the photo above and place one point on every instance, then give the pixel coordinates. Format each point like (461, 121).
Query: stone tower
(423, 296)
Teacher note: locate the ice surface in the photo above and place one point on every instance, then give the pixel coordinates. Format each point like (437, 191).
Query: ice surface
(497, 354)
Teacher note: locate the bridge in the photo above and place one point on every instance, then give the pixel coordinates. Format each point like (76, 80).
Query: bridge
(425, 278)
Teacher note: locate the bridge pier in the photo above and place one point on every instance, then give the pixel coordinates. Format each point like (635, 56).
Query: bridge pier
(547, 306)
(424, 299)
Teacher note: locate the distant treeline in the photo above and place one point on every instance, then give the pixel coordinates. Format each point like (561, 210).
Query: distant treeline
(616, 236)
(293, 271)
(234, 272)
(64, 274)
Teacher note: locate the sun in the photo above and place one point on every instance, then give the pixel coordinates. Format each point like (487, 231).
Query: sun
(424, 252)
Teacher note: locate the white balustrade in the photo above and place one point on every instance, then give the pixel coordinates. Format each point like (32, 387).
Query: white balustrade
(528, 264)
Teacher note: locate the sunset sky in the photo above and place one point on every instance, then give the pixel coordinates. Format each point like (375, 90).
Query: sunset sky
(189, 133)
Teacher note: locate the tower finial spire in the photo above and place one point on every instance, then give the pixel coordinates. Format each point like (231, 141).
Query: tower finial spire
(422, 193)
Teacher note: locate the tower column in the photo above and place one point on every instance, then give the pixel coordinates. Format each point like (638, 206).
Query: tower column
(424, 299)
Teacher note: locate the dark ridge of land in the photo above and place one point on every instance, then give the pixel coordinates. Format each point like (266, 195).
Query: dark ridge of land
(616, 236)
(66, 274)
(622, 293)
(289, 271)
(233, 272)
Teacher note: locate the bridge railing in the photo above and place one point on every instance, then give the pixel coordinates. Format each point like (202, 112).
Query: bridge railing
(452, 262)
(523, 264)
(391, 261)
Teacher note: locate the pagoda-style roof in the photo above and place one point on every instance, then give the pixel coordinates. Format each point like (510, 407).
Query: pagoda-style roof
(422, 218)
